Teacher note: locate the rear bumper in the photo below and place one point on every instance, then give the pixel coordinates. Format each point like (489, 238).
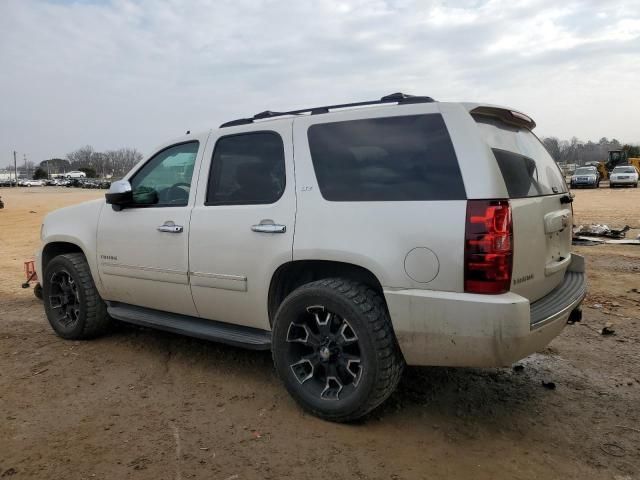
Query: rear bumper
(469, 330)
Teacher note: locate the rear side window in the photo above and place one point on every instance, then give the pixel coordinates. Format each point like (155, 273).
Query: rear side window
(527, 168)
(386, 159)
(247, 169)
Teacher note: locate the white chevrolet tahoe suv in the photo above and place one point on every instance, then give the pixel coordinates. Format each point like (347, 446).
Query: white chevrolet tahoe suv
(348, 239)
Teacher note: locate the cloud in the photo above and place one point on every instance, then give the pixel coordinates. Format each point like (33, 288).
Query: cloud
(135, 73)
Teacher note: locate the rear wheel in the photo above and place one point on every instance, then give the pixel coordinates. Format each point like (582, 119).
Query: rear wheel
(335, 350)
(72, 303)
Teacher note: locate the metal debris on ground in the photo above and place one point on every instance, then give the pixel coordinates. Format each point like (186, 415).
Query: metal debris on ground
(598, 230)
(597, 234)
(607, 329)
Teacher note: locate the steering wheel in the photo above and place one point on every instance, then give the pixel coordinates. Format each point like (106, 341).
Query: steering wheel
(182, 195)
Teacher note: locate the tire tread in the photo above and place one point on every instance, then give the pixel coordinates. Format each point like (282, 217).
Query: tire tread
(97, 320)
(389, 358)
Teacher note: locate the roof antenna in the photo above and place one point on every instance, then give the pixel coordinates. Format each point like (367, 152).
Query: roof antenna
(188, 132)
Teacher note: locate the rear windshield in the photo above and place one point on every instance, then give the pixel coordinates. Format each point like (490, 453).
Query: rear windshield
(403, 158)
(624, 170)
(527, 168)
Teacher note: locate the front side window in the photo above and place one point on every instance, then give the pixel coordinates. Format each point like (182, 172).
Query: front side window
(403, 158)
(165, 180)
(247, 169)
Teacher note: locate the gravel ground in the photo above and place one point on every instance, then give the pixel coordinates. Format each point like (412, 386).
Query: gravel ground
(150, 405)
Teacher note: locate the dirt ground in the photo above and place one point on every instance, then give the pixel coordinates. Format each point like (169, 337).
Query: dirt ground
(150, 405)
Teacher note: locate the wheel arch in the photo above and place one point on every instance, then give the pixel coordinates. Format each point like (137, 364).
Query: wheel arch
(53, 249)
(291, 275)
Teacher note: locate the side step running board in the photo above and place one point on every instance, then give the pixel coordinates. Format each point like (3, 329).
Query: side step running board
(240, 336)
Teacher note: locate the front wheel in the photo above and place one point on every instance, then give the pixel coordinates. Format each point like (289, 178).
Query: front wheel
(335, 350)
(71, 301)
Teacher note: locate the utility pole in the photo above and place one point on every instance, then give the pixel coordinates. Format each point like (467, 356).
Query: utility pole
(15, 168)
(26, 170)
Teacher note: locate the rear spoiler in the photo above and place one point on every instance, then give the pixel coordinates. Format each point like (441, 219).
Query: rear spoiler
(510, 117)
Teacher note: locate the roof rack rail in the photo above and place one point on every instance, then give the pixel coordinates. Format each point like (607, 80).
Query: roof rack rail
(398, 98)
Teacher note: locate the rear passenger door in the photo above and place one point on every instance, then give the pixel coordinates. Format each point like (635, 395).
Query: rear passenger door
(243, 222)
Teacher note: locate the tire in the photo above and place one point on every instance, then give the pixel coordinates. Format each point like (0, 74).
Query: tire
(37, 291)
(73, 306)
(350, 366)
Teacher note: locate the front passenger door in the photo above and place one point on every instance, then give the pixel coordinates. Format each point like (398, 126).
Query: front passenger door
(143, 249)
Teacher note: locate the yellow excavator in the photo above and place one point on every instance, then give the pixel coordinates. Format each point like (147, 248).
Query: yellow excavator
(615, 158)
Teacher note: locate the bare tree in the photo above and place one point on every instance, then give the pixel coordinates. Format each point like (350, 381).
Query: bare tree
(122, 160)
(578, 152)
(112, 162)
(81, 157)
(553, 147)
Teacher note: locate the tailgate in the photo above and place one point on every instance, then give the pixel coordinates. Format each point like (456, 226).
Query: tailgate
(541, 244)
(541, 208)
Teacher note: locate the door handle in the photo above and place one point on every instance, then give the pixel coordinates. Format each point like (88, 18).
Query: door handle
(170, 227)
(269, 228)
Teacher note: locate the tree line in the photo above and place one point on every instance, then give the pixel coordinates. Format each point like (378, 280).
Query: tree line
(580, 153)
(114, 163)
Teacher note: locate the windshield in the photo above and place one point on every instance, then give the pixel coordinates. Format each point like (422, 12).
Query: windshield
(527, 168)
(585, 171)
(624, 170)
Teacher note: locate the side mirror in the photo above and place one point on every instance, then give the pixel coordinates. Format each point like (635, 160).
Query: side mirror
(119, 194)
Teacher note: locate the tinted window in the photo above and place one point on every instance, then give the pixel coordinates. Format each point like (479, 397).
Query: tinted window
(247, 169)
(624, 170)
(392, 159)
(166, 178)
(527, 168)
(585, 171)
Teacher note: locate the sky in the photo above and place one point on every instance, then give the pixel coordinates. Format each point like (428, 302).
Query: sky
(125, 73)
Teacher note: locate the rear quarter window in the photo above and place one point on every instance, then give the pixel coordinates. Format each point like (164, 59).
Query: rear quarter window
(527, 168)
(400, 158)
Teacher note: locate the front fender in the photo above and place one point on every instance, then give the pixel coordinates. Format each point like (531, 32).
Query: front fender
(76, 225)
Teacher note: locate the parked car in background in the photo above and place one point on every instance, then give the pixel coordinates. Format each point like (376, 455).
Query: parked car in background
(90, 183)
(32, 183)
(74, 182)
(585, 177)
(76, 174)
(623, 176)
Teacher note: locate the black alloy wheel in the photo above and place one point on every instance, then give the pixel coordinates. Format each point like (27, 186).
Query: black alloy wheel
(324, 353)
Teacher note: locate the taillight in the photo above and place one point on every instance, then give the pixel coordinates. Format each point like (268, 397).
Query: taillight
(488, 247)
